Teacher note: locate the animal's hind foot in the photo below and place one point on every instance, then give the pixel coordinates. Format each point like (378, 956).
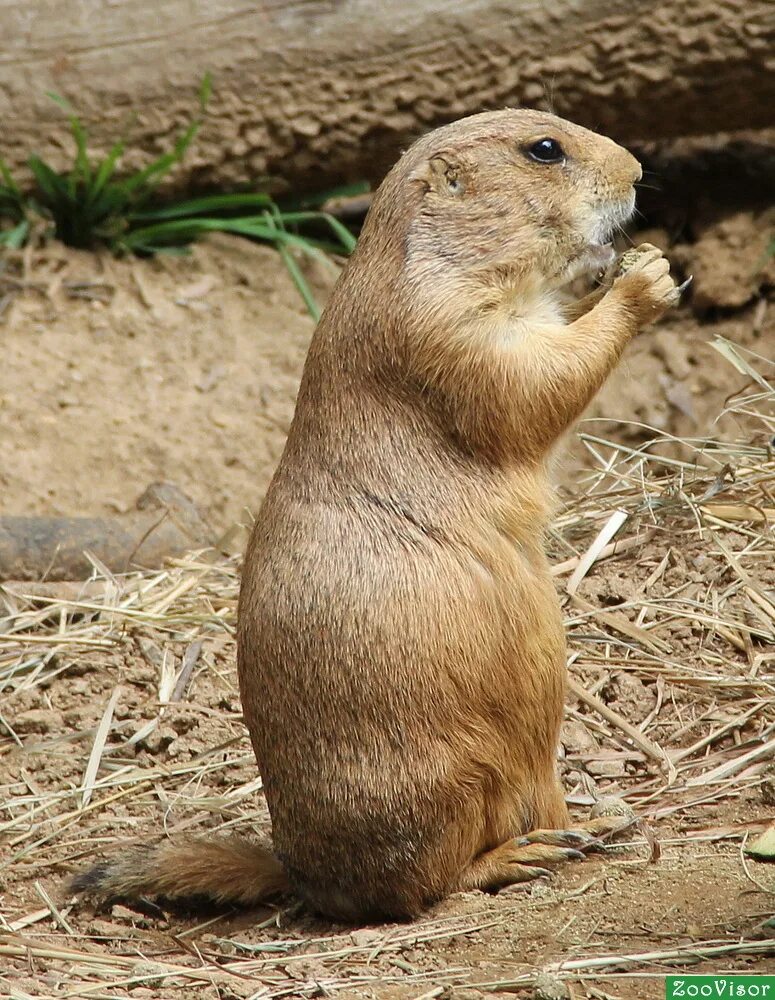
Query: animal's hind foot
(515, 861)
(532, 856)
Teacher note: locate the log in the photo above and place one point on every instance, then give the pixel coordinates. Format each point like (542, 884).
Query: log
(163, 524)
(316, 93)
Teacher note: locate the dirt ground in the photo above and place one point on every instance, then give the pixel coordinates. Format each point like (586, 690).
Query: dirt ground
(674, 645)
(185, 369)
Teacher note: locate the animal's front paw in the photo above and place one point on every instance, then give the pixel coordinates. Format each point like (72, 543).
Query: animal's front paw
(637, 258)
(642, 281)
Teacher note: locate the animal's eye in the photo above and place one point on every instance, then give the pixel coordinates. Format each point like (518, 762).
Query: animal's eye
(546, 151)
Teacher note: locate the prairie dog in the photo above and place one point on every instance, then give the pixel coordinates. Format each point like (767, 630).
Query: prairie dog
(400, 645)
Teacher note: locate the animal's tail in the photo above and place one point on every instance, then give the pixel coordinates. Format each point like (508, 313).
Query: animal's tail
(224, 870)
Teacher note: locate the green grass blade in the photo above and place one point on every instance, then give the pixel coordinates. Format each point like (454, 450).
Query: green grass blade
(300, 281)
(54, 188)
(341, 231)
(185, 230)
(107, 168)
(105, 207)
(301, 243)
(7, 176)
(63, 103)
(150, 176)
(320, 248)
(142, 177)
(164, 234)
(205, 205)
(346, 238)
(82, 169)
(14, 239)
(11, 206)
(262, 227)
(186, 139)
(205, 90)
(316, 200)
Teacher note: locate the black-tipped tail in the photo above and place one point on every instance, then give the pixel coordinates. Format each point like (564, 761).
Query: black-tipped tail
(224, 870)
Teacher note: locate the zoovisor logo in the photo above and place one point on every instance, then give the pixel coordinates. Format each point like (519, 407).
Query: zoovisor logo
(720, 988)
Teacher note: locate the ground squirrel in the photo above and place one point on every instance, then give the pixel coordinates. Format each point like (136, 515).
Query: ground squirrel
(400, 645)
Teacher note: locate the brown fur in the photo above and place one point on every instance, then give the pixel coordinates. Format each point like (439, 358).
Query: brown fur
(224, 869)
(400, 646)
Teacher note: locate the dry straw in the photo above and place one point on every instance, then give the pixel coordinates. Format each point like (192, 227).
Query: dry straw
(688, 523)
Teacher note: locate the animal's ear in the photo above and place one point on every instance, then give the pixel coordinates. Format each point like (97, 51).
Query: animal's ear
(441, 173)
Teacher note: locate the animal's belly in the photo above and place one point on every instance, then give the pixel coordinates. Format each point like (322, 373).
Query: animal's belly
(362, 661)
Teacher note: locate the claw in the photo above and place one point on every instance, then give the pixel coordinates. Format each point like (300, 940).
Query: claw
(535, 872)
(572, 855)
(685, 284)
(575, 837)
(559, 838)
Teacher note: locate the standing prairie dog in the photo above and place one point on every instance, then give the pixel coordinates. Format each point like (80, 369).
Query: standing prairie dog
(400, 645)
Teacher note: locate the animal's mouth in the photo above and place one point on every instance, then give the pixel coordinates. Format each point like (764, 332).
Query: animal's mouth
(598, 256)
(596, 252)
(610, 217)
(599, 253)
(590, 261)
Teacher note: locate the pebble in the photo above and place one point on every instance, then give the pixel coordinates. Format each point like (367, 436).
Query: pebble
(37, 720)
(548, 987)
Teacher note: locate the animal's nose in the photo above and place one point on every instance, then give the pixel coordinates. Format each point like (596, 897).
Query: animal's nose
(631, 169)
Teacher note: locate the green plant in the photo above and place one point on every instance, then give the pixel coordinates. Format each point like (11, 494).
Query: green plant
(14, 209)
(92, 204)
(170, 226)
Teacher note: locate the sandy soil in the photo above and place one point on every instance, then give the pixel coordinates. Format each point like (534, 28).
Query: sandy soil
(182, 369)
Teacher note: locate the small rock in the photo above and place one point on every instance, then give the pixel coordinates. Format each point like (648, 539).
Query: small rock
(74, 717)
(611, 805)
(729, 261)
(576, 738)
(198, 289)
(607, 768)
(160, 739)
(150, 969)
(629, 696)
(103, 928)
(548, 987)
(365, 938)
(76, 686)
(763, 847)
(123, 913)
(37, 720)
(541, 889)
(183, 723)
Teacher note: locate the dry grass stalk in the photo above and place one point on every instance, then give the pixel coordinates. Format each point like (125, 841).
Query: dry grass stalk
(684, 606)
(686, 955)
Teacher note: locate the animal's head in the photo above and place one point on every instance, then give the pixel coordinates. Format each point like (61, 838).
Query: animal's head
(504, 197)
